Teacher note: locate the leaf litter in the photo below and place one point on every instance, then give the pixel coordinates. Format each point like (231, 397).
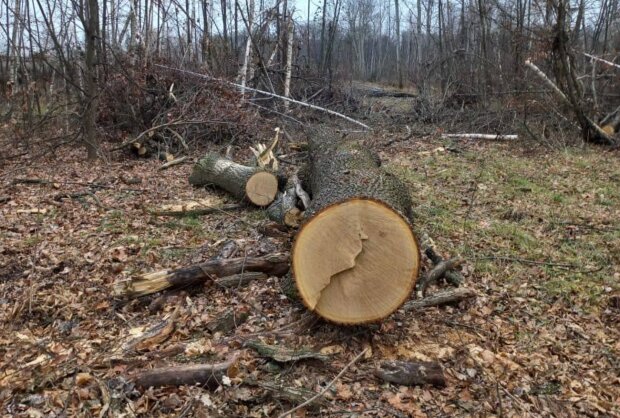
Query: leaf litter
(538, 341)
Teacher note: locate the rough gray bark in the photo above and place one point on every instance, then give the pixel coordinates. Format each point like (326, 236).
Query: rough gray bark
(340, 169)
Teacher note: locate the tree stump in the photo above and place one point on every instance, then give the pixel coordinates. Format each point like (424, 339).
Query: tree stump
(255, 184)
(356, 259)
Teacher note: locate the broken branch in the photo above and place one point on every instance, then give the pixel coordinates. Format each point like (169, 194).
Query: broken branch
(208, 375)
(146, 284)
(440, 298)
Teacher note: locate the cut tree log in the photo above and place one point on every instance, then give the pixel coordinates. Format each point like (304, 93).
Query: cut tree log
(147, 284)
(255, 184)
(356, 259)
(411, 373)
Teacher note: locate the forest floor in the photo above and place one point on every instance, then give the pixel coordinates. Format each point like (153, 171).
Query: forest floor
(539, 230)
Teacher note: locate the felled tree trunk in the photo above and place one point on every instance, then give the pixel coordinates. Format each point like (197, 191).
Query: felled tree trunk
(356, 259)
(255, 184)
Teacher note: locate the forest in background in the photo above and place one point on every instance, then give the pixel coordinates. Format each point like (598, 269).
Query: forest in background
(96, 71)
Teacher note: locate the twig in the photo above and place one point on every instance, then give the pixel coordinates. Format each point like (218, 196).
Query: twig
(266, 93)
(326, 388)
(172, 163)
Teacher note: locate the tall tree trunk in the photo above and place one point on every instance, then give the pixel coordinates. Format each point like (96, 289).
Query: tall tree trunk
(399, 67)
(205, 31)
(289, 62)
(224, 11)
(91, 30)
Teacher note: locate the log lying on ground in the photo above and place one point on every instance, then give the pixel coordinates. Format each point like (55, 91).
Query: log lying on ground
(356, 259)
(411, 373)
(208, 375)
(255, 184)
(146, 284)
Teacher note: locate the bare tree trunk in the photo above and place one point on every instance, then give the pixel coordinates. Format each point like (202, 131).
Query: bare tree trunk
(205, 31)
(399, 67)
(243, 72)
(289, 61)
(91, 29)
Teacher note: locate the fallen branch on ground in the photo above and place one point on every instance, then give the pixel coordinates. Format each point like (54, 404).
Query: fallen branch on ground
(146, 284)
(182, 211)
(437, 272)
(208, 375)
(481, 136)
(452, 276)
(411, 373)
(173, 163)
(440, 298)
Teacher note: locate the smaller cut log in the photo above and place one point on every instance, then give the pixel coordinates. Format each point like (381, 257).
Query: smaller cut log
(254, 184)
(208, 375)
(147, 284)
(284, 209)
(411, 373)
